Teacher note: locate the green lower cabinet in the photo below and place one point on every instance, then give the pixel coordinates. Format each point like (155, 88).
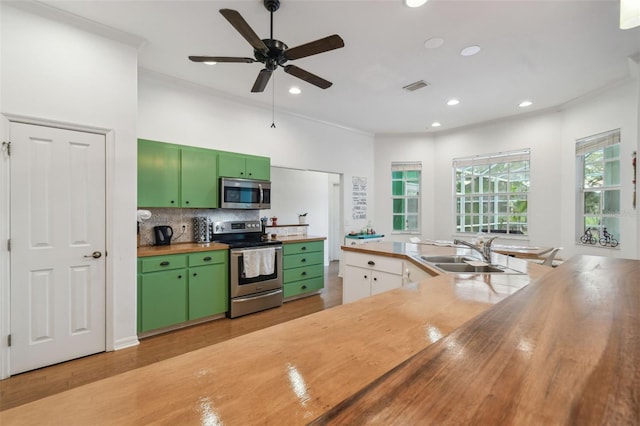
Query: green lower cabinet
(177, 288)
(163, 299)
(303, 269)
(208, 294)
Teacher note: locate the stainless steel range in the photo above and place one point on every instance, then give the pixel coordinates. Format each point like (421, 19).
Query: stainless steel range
(255, 266)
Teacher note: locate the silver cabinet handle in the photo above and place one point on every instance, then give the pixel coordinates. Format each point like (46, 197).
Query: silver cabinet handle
(95, 255)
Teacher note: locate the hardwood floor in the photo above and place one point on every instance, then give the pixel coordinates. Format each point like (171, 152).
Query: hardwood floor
(33, 385)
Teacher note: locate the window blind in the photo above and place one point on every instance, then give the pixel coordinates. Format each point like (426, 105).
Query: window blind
(599, 141)
(406, 166)
(499, 157)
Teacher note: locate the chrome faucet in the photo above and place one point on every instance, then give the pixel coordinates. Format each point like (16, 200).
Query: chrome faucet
(484, 251)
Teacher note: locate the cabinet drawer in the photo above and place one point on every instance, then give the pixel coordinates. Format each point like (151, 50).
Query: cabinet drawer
(376, 263)
(305, 286)
(208, 257)
(303, 273)
(295, 248)
(298, 260)
(161, 263)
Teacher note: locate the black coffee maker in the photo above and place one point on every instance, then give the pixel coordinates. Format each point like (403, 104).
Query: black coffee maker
(163, 235)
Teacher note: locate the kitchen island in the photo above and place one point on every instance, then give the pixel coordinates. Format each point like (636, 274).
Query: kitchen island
(562, 346)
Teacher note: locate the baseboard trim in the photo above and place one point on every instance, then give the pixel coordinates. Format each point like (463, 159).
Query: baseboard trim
(126, 343)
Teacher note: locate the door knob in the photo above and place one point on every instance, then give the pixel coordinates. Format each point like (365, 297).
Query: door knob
(95, 255)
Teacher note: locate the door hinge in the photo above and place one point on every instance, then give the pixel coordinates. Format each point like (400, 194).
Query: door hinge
(7, 145)
(9, 340)
(9, 244)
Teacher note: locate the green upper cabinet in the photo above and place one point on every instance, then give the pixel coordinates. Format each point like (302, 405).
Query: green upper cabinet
(244, 166)
(158, 174)
(174, 176)
(199, 177)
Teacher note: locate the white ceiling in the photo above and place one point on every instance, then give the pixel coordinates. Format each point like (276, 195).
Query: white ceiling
(547, 51)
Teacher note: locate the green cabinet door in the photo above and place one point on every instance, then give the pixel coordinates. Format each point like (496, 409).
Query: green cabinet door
(258, 167)
(244, 166)
(199, 182)
(158, 174)
(163, 298)
(232, 165)
(207, 290)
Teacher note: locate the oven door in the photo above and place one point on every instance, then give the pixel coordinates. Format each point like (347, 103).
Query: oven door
(245, 194)
(242, 286)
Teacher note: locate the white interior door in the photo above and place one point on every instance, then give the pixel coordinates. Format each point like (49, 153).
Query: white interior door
(57, 245)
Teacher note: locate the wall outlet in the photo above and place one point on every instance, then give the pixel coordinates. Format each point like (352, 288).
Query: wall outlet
(184, 227)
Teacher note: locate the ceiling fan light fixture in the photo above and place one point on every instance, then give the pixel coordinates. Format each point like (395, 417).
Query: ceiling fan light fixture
(414, 3)
(295, 90)
(525, 104)
(436, 124)
(452, 102)
(209, 62)
(629, 14)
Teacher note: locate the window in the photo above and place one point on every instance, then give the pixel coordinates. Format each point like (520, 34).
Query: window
(405, 195)
(491, 193)
(598, 182)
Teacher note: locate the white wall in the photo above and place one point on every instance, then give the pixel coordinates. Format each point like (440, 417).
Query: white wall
(58, 73)
(179, 112)
(551, 136)
(297, 191)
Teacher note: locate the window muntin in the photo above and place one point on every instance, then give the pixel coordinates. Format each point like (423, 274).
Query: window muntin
(405, 195)
(492, 193)
(598, 178)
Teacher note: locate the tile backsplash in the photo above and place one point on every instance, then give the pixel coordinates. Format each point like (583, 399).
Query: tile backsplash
(177, 217)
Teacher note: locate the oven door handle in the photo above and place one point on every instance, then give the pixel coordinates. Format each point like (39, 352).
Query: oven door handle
(260, 296)
(239, 252)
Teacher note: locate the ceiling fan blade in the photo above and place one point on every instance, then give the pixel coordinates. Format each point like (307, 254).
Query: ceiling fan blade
(307, 76)
(244, 29)
(221, 59)
(313, 48)
(261, 81)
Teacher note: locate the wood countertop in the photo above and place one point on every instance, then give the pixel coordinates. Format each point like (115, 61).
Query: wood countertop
(563, 348)
(180, 248)
(299, 239)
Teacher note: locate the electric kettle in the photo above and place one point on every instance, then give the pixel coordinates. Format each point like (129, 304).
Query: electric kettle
(163, 235)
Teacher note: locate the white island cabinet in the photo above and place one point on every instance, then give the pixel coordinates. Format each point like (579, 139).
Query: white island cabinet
(366, 274)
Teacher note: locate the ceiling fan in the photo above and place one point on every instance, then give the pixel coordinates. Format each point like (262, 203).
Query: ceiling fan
(273, 53)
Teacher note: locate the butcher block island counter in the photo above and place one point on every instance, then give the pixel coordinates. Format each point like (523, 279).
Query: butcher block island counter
(560, 346)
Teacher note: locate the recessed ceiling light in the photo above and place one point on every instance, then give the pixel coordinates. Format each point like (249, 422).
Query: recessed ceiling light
(294, 90)
(414, 3)
(470, 50)
(452, 102)
(524, 104)
(433, 43)
(209, 62)
(435, 124)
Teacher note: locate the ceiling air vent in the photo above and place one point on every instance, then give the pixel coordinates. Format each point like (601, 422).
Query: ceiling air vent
(415, 86)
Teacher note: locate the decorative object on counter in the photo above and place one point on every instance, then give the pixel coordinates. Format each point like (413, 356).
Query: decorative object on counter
(201, 227)
(302, 218)
(607, 239)
(142, 216)
(587, 237)
(274, 236)
(274, 221)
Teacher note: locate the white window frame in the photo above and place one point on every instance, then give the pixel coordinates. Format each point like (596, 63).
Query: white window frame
(585, 146)
(408, 166)
(497, 196)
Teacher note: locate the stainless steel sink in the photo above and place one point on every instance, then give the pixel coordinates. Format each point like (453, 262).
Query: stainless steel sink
(466, 268)
(448, 259)
(456, 264)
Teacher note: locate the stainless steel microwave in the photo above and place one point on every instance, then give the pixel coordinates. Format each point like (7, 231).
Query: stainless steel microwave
(245, 194)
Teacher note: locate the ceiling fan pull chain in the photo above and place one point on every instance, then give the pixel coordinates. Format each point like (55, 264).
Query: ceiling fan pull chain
(273, 101)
